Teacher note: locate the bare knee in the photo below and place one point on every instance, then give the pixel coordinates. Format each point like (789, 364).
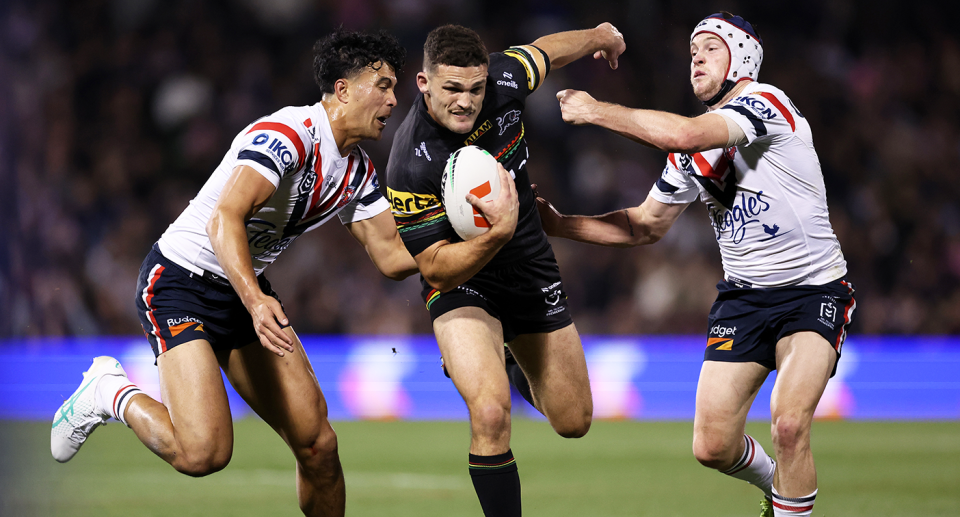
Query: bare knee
(490, 419)
(790, 433)
(318, 451)
(202, 461)
(573, 426)
(713, 451)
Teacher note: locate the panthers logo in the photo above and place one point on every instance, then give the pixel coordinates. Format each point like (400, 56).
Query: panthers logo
(508, 119)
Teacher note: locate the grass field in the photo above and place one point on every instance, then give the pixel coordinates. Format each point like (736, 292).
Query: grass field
(419, 469)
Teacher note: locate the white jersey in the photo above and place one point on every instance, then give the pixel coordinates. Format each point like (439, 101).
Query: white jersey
(766, 199)
(295, 150)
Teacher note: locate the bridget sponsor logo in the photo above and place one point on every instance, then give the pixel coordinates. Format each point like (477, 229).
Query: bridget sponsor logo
(721, 331)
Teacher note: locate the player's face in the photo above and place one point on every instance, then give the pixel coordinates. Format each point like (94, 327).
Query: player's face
(454, 95)
(372, 90)
(708, 65)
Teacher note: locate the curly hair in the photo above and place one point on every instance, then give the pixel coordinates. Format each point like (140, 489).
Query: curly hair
(344, 53)
(454, 45)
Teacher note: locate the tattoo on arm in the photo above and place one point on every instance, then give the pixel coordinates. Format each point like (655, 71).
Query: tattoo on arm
(627, 214)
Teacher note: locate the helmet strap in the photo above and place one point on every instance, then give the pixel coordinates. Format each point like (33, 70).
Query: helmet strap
(724, 89)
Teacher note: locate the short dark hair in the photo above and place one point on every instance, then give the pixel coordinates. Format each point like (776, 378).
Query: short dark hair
(454, 45)
(344, 53)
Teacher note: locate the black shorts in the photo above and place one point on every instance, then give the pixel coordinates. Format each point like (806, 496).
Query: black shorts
(527, 296)
(176, 306)
(746, 323)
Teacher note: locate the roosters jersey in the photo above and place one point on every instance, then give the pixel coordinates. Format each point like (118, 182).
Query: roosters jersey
(766, 199)
(295, 150)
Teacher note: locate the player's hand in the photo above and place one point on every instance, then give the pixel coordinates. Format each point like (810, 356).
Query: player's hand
(550, 218)
(575, 106)
(268, 316)
(502, 212)
(613, 44)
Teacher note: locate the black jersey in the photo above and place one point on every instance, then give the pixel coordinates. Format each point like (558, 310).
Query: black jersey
(421, 148)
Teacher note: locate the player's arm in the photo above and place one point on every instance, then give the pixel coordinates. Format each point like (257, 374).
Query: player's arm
(666, 131)
(644, 224)
(445, 265)
(243, 195)
(379, 237)
(604, 41)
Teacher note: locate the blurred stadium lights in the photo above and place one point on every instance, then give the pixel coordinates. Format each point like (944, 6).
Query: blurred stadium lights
(390, 378)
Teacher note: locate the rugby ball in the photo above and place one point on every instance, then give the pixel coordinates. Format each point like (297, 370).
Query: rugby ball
(469, 170)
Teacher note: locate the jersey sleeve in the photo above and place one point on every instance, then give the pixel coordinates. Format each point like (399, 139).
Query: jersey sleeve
(273, 148)
(675, 187)
(417, 206)
(369, 201)
(516, 71)
(761, 114)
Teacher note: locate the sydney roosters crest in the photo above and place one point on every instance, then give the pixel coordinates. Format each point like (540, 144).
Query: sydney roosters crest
(347, 196)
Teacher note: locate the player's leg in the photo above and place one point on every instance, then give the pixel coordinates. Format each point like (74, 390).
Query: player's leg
(192, 429)
(725, 392)
(740, 353)
(471, 342)
(517, 378)
(805, 361)
(556, 369)
(284, 391)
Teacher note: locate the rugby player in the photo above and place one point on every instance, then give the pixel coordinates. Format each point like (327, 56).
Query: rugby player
(503, 286)
(784, 303)
(203, 300)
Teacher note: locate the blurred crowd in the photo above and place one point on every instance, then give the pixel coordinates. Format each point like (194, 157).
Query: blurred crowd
(114, 112)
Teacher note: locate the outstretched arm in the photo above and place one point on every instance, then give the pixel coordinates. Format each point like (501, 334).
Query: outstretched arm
(378, 236)
(659, 129)
(644, 224)
(604, 41)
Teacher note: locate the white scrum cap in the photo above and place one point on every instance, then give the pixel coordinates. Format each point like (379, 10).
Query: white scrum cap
(743, 44)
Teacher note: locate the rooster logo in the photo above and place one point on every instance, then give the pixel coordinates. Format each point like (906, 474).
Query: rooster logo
(772, 231)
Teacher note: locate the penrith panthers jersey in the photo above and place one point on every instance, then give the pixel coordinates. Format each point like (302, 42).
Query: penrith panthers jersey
(766, 199)
(295, 150)
(421, 148)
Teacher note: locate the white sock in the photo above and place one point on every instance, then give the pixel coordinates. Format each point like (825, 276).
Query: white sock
(754, 467)
(114, 393)
(793, 506)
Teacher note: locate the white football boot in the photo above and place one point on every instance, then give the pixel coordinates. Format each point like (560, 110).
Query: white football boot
(79, 415)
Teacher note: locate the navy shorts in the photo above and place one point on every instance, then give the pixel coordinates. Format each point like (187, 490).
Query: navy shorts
(527, 296)
(746, 323)
(176, 306)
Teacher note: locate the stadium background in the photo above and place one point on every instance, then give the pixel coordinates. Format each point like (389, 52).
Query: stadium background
(114, 112)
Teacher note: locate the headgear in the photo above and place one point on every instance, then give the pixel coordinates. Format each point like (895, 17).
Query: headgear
(743, 44)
